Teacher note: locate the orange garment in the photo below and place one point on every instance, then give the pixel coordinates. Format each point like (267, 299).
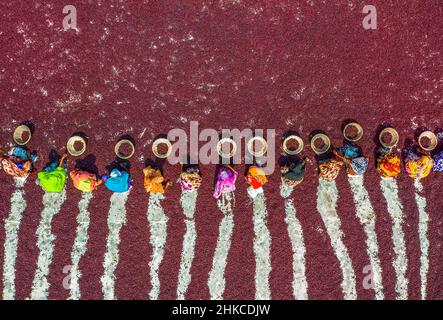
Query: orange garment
(154, 180)
(85, 181)
(256, 177)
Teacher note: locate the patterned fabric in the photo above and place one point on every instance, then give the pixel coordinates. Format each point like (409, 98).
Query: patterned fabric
(190, 179)
(388, 164)
(438, 162)
(154, 180)
(328, 170)
(226, 178)
(418, 166)
(85, 181)
(256, 177)
(355, 163)
(17, 169)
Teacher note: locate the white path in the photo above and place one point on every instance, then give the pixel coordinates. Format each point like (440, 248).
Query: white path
(188, 201)
(158, 224)
(389, 188)
(327, 196)
(217, 281)
(262, 248)
(80, 244)
(366, 214)
(116, 220)
(423, 220)
(52, 203)
(299, 282)
(12, 226)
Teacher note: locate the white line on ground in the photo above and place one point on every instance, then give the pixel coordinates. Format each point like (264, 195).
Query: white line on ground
(389, 188)
(327, 196)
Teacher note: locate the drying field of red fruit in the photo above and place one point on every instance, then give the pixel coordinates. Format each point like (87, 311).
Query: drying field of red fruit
(143, 68)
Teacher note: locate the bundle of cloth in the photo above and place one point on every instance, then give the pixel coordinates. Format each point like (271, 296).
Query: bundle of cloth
(388, 163)
(53, 177)
(190, 179)
(225, 180)
(19, 163)
(154, 182)
(293, 171)
(256, 178)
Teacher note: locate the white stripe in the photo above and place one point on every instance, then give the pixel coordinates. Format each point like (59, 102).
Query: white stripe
(262, 249)
(158, 223)
(12, 225)
(188, 201)
(80, 243)
(299, 282)
(116, 220)
(423, 219)
(217, 281)
(366, 214)
(395, 208)
(52, 203)
(327, 196)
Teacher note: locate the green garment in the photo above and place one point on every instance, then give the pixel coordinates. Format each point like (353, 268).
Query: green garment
(53, 181)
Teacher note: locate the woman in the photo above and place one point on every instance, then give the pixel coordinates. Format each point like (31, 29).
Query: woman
(417, 164)
(53, 177)
(256, 178)
(355, 163)
(190, 179)
(19, 164)
(85, 181)
(118, 180)
(154, 180)
(225, 181)
(388, 163)
(293, 171)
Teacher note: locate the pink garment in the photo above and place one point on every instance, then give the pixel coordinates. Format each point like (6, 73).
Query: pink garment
(226, 177)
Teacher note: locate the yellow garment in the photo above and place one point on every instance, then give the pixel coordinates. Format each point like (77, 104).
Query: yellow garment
(256, 177)
(419, 168)
(154, 181)
(388, 165)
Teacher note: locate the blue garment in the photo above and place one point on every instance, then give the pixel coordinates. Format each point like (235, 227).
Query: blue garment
(20, 152)
(438, 162)
(118, 181)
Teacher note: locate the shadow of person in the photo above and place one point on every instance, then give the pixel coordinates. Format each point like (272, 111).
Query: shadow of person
(87, 164)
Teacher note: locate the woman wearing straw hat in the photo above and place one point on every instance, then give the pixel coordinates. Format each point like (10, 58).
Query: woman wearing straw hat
(388, 161)
(418, 162)
(53, 177)
(329, 165)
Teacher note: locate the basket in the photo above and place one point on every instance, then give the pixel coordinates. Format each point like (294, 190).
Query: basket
(431, 136)
(119, 145)
(394, 137)
(70, 146)
(18, 135)
(262, 150)
(296, 151)
(359, 134)
(159, 142)
(326, 141)
(223, 154)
